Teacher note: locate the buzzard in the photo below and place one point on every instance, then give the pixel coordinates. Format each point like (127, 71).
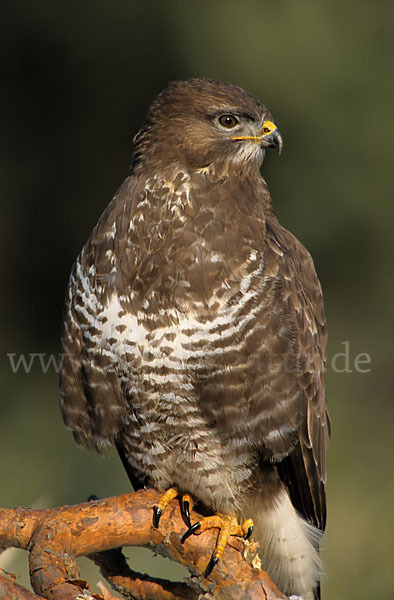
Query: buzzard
(194, 334)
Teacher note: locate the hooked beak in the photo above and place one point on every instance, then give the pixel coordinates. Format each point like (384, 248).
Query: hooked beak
(270, 137)
(273, 137)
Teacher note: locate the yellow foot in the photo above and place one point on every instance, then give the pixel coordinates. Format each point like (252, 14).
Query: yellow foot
(170, 494)
(227, 525)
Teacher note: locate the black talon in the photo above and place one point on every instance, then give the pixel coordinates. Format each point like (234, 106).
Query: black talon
(186, 512)
(157, 512)
(190, 531)
(249, 532)
(93, 497)
(214, 560)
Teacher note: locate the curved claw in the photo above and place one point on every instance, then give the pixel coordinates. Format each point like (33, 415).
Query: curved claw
(157, 512)
(190, 531)
(186, 512)
(93, 498)
(214, 560)
(249, 532)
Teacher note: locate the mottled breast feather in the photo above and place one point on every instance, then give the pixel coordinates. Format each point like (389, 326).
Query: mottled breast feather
(185, 285)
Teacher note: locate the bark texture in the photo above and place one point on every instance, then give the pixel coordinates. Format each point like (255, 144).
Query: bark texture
(98, 529)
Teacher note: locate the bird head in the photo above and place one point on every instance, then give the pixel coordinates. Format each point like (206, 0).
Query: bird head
(202, 124)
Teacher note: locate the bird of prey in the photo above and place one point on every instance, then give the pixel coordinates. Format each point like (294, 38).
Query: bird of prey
(194, 336)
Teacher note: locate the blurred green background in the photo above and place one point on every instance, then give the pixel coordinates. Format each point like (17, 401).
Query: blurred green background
(77, 79)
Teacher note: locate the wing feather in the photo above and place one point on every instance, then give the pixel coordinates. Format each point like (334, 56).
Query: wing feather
(304, 469)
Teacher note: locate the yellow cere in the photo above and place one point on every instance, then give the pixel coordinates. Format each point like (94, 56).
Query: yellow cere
(268, 127)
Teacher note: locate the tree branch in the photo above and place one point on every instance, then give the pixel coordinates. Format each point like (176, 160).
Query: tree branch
(55, 537)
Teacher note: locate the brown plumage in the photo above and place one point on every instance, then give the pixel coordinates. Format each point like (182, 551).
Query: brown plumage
(194, 333)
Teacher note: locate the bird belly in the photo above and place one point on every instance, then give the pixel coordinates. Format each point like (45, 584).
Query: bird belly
(167, 364)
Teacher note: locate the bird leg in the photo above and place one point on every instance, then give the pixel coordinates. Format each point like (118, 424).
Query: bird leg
(227, 525)
(170, 494)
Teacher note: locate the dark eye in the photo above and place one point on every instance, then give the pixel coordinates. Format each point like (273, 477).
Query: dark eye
(228, 121)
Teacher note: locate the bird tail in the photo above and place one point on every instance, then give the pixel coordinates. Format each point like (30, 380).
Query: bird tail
(289, 546)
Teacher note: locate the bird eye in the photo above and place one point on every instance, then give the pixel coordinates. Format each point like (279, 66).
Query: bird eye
(228, 121)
